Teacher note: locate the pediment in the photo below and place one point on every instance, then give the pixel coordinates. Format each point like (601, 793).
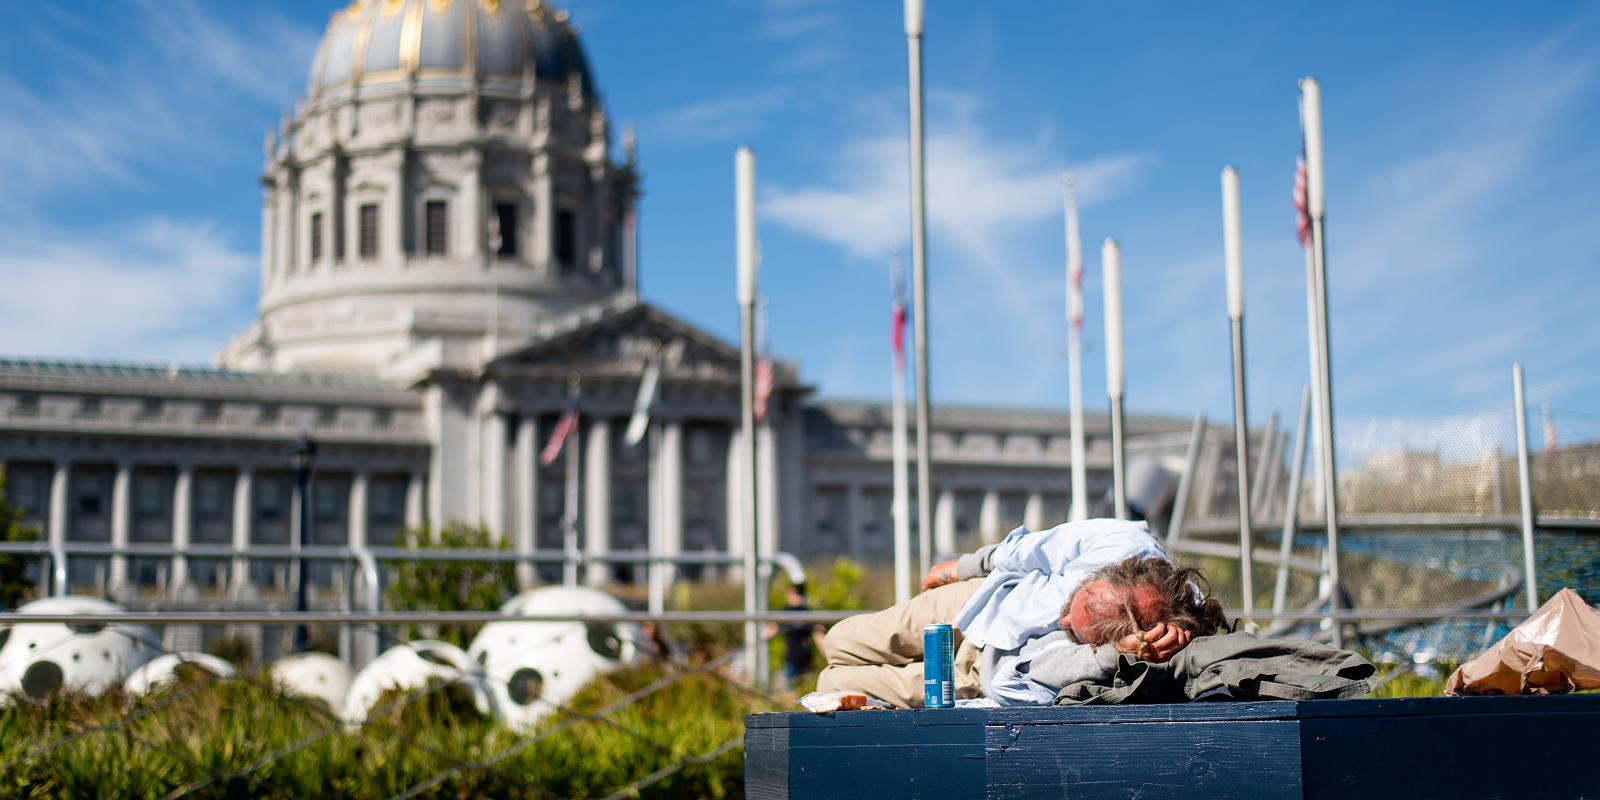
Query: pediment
(622, 340)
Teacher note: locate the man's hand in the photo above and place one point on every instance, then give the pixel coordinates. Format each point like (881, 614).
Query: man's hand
(1160, 643)
(940, 574)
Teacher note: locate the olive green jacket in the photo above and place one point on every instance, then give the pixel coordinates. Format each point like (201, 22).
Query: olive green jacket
(1230, 666)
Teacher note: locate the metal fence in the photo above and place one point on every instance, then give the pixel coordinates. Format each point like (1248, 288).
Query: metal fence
(1431, 518)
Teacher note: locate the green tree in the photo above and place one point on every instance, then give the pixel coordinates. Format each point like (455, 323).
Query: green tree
(452, 585)
(15, 586)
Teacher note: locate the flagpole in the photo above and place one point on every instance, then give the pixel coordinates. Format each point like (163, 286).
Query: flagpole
(1233, 257)
(1311, 119)
(1111, 265)
(569, 521)
(903, 577)
(1080, 479)
(919, 288)
(745, 233)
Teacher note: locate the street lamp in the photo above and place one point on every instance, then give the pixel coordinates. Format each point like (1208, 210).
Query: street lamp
(305, 457)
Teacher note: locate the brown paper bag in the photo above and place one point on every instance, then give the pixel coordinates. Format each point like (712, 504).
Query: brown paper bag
(1556, 650)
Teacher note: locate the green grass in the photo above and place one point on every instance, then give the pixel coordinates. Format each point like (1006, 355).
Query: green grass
(222, 732)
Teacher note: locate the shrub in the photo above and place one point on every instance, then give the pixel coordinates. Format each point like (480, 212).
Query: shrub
(452, 585)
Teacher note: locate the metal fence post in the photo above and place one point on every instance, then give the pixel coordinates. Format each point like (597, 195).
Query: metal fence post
(1291, 507)
(1191, 459)
(1530, 576)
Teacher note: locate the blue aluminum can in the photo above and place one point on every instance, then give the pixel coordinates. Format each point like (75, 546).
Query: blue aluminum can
(939, 666)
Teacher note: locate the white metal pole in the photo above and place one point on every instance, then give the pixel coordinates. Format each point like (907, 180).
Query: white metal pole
(903, 577)
(1111, 265)
(1233, 257)
(1291, 508)
(569, 519)
(656, 486)
(1530, 575)
(745, 220)
(919, 281)
(1311, 111)
(1080, 480)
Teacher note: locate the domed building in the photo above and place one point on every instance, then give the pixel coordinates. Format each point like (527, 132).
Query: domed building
(447, 246)
(446, 187)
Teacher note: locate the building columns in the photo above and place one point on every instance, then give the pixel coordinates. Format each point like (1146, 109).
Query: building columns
(358, 509)
(493, 470)
(944, 525)
(989, 517)
(182, 525)
(767, 489)
(121, 518)
(243, 516)
(1033, 513)
(525, 471)
(667, 475)
(735, 491)
(597, 502)
(414, 489)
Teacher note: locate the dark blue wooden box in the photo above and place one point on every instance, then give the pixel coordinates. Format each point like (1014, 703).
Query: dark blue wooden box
(1444, 747)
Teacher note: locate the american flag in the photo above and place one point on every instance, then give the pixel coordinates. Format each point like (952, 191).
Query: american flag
(1550, 437)
(897, 324)
(763, 372)
(1302, 218)
(565, 427)
(1074, 264)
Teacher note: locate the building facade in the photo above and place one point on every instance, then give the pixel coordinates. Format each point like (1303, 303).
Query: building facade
(447, 244)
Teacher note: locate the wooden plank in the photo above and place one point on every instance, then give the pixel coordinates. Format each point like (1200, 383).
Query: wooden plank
(1450, 706)
(1257, 759)
(766, 763)
(884, 762)
(1494, 755)
(1164, 712)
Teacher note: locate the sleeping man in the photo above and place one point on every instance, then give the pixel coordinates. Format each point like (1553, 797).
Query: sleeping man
(1033, 612)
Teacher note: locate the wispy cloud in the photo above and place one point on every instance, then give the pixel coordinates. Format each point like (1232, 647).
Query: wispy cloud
(155, 288)
(104, 126)
(980, 188)
(987, 199)
(1439, 215)
(105, 119)
(718, 118)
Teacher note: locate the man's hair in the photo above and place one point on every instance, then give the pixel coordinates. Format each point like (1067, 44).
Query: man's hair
(1143, 591)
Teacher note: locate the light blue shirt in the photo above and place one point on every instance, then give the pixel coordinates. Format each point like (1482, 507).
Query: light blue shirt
(1033, 676)
(1034, 574)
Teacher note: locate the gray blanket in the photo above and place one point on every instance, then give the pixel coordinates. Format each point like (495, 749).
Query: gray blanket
(1230, 666)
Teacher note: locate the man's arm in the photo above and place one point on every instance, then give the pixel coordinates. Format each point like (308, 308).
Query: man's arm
(976, 564)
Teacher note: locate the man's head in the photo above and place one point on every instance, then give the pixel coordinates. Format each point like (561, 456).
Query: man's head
(1135, 594)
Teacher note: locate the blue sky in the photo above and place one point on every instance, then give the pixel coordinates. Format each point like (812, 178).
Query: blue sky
(1462, 185)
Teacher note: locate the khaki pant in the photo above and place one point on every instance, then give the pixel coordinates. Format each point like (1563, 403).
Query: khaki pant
(881, 653)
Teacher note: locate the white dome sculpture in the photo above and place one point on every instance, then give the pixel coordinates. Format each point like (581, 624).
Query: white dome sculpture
(164, 669)
(313, 675)
(533, 667)
(409, 667)
(38, 659)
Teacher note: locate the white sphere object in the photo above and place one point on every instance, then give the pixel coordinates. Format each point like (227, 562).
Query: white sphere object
(38, 659)
(533, 667)
(313, 675)
(409, 667)
(164, 669)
